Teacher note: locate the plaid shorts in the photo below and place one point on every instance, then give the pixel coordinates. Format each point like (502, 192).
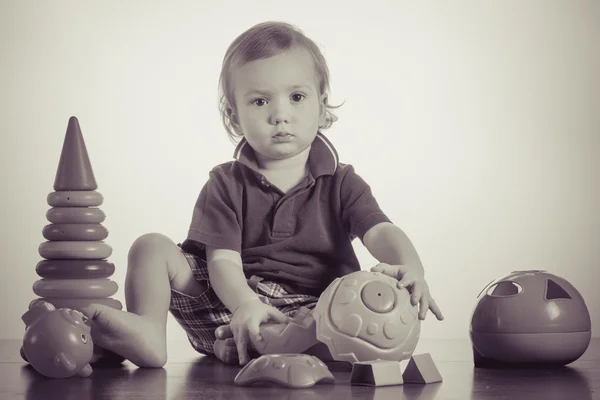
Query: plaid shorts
(200, 316)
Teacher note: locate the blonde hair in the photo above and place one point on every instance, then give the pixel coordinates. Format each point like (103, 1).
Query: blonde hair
(264, 40)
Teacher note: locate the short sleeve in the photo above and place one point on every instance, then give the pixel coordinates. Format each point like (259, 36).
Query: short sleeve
(215, 219)
(360, 210)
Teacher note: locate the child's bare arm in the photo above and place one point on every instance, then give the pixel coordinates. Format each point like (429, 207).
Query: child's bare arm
(229, 283)
(227, 277)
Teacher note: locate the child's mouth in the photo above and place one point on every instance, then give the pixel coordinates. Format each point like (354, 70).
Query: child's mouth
(283, 137)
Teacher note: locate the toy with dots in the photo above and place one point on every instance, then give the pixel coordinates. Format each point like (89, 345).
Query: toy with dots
(75, 270)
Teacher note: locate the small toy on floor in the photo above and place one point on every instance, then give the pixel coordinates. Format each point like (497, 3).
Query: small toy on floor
(57, 342)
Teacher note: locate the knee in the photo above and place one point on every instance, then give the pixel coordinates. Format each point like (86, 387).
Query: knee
(151, 244)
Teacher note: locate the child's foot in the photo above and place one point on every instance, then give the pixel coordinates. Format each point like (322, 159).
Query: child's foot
(139, 339)
(225, 348)
(226, 351)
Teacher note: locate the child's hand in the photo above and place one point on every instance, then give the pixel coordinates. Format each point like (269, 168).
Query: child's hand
(409, 277)
(246, 321)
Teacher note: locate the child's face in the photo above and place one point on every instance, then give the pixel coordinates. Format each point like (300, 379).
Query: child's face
(279, 107)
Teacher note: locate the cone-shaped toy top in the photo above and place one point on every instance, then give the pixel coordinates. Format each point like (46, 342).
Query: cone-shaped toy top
(74, 168)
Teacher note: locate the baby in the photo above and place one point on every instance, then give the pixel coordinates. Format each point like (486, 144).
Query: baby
(271, 229)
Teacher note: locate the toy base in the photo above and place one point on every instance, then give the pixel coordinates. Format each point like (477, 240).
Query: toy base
(421, 369)
(506, 350)
(376, 373)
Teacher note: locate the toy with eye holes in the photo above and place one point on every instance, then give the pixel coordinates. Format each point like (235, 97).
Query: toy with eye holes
(57, 342)
(529, 318)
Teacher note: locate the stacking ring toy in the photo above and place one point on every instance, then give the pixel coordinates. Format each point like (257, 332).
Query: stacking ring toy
(75, 288)
(76, 232)
(77, 304)
(74, 269)
(75, 198)
(75, 215)
(75, 250)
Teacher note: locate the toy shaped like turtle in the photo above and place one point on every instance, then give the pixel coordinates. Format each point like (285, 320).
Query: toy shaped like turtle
(362, 316)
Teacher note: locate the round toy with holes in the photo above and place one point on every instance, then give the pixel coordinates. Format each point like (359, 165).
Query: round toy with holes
(529, 318)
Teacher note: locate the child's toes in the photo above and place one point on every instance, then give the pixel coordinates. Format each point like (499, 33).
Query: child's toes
(226, 351)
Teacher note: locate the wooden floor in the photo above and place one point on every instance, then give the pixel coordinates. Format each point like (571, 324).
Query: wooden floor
(190, 376)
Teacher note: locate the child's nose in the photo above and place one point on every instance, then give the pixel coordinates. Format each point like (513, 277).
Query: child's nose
(280, 113)
(278, 119)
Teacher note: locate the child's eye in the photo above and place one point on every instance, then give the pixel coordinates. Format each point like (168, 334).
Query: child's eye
(259, 100)
(298, 97)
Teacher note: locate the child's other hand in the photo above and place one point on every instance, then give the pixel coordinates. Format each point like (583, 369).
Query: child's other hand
(246, 321)
(409, 277)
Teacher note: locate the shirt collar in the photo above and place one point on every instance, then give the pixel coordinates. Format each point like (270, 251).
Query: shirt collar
(323, 158)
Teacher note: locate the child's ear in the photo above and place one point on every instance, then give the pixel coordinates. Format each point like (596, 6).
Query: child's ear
(232, 117)
(323, 112)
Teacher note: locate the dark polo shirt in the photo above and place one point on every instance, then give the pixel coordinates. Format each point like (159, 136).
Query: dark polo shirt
(300, 239)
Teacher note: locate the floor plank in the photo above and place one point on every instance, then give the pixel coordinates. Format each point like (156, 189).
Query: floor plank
(190, 376)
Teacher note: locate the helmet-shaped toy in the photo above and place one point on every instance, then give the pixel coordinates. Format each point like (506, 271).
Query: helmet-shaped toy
(529, 317)
(364, 316)
(57, 342)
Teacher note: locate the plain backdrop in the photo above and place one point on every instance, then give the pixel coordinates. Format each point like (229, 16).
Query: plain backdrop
(477, 125)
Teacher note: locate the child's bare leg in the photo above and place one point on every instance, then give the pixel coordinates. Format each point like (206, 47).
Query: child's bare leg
(155, 263)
